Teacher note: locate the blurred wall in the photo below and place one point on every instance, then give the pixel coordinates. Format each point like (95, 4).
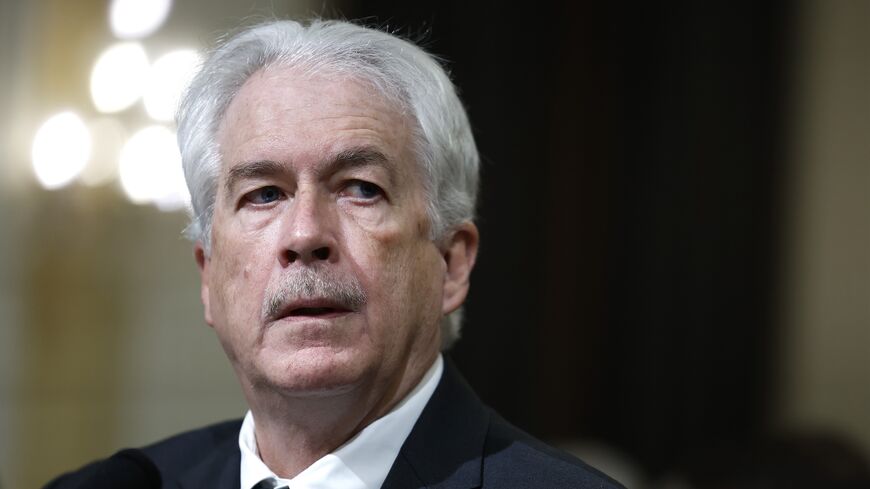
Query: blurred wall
(825, 371)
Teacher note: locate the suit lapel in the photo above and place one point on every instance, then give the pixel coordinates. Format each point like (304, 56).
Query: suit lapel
(445, 447)
(402, 476)
(220, 470)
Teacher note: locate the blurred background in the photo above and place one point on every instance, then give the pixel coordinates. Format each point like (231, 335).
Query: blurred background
(675, 218)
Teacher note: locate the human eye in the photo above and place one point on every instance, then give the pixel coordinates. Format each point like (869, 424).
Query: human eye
(263, 195)
(362, 190)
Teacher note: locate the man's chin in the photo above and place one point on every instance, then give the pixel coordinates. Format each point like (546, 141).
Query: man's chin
(313, 370)
(327, 331)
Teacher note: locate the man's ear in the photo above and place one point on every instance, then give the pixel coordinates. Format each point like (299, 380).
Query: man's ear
(460, 252)
(203, 262)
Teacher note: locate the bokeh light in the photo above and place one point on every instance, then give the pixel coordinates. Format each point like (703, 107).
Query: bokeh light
(108, 135)
(118, 77)
(168, 78)
(135, 19)
(61, 148)
(150, 169)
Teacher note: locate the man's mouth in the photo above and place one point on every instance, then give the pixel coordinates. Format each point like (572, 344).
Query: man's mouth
(312, 308)
(308, 293)
(316, 311)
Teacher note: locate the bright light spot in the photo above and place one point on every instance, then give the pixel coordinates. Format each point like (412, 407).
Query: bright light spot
(151, 169)
(61, 148)
(135, 19)
(169, 76)
(108, 135)
(118, 77)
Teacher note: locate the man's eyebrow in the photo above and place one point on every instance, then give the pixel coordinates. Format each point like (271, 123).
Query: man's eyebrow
(253, 169)
(359, 157)
(343, 160)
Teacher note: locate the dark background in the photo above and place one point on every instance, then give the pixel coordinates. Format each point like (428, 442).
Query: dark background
(632, 168)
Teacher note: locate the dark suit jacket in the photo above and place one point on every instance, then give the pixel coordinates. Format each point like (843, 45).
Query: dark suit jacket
(457, 443)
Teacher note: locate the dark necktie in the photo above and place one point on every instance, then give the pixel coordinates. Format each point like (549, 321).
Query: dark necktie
(268, 483)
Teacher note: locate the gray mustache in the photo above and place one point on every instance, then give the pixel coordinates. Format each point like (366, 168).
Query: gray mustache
(309, 283)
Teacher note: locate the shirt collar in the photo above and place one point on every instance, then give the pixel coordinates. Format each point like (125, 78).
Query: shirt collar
(364, 461)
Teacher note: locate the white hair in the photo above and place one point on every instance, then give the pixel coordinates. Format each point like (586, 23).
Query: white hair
(405, 74)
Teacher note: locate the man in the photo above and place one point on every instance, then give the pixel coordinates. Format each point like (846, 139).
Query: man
(333, 175)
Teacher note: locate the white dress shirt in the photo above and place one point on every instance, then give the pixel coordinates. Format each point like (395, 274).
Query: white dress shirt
(363, 462)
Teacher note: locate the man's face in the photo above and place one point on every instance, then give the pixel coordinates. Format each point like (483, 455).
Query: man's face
(321, 277)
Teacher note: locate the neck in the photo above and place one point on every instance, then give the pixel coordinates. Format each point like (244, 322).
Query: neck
(291, 438)
(293, 432)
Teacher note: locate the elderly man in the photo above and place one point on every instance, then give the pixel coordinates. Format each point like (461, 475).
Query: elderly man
(333, 174)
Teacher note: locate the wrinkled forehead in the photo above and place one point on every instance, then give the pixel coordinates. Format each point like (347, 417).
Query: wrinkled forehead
(314, 110)
(300, 87)
(295, 107)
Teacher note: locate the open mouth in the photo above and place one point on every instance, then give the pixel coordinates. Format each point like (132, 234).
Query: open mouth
(316, 311)
(308, 308)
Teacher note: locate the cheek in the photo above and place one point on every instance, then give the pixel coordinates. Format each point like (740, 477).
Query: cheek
(392, 251)
(232, 278)
(407, 276)
(385, 256)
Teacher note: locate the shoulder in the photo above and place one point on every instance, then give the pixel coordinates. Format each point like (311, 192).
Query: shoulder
(458, 441)
(513, 458)
(179, 452)
(172, 456)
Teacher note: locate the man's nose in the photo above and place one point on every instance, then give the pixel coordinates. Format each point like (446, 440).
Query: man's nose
(308, 230)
